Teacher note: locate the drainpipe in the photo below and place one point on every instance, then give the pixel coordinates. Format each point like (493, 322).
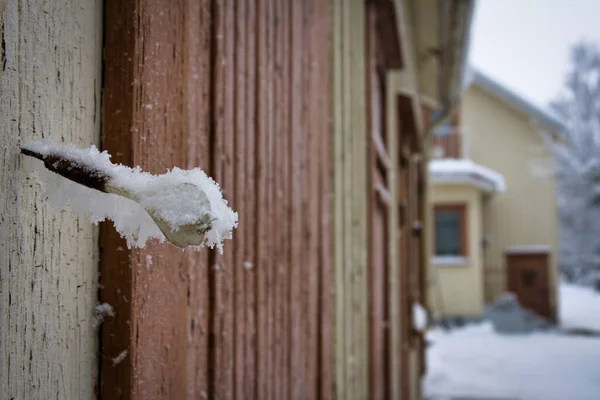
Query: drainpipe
(424, 201)
(453, 65)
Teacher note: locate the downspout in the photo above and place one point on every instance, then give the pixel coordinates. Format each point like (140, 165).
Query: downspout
(449, 106)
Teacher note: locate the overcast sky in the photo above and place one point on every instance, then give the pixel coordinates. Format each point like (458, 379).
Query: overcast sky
(524, 44)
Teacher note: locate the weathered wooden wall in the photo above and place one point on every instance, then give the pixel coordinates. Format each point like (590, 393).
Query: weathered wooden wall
(376, 348)
(50, 80)
(240, 89)
(351, 236)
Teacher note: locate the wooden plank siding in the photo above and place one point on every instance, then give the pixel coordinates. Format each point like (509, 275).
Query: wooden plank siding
(50, 86)
(240, 89)
(350, 200)
(377, 277)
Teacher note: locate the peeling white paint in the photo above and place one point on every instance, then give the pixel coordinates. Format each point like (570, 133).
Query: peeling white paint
(50, 85)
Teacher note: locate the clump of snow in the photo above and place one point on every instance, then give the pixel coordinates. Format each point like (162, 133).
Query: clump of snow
(102, 311)
(118, 359)
(466, 171)
(185, 205)
(419, 317)
(148, 261)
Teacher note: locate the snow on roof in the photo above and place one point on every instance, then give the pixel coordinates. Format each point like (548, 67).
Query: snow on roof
(466, 171)
(529, 249)
(545, 117)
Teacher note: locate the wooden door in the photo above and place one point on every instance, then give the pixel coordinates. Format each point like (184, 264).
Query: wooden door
(528, 277)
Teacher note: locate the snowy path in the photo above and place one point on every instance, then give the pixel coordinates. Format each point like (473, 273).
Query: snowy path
(476, 362)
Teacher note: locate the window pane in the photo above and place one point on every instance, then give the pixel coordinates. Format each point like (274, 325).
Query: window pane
(447, 233)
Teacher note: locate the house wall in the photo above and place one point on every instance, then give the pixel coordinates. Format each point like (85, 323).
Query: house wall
(350, 232)
(50, 85)
(457, 290)
(350, 205)
(503, 139)
(242, 90)
(402, 82)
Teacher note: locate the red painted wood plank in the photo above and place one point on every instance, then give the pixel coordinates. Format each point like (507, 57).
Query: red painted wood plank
(223, 163)
(268, 19)
(240, 139)
(297, 373)
(283, 98)
(314, 91)
(279, 228)
(323, 105)
(251, 228)
(197, 115)
(146, 122)
(263, 234)
(244, 95)
(115, 274)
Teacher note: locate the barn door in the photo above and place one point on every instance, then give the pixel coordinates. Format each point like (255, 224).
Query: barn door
(379, 204)
(528, 278)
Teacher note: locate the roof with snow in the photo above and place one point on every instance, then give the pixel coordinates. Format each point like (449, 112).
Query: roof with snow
(465, 171)
(518, 102)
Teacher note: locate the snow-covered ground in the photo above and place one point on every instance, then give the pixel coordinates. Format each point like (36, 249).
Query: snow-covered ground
(476, 362)
(579, 308)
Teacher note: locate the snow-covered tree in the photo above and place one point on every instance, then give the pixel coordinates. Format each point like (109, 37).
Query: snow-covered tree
(577, 158)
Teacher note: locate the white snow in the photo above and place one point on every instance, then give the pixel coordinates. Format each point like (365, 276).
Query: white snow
(419, 317)
(148, 261)
(449, 260)
(118, 359)
(185, 205)
(579, 308)
(529, 249)
(477, 362)
(102, 310)
(461, 171)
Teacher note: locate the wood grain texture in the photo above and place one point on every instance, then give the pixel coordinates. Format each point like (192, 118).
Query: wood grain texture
(239, 88)
(156, 92)
(50, 80)
(350, 236)
(385, 305)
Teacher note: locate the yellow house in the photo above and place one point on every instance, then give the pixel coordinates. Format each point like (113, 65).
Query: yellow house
(493, 209)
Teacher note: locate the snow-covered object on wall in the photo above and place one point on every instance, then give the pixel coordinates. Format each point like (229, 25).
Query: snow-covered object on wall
(465, 171)
(186, 206)
(419, 317)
